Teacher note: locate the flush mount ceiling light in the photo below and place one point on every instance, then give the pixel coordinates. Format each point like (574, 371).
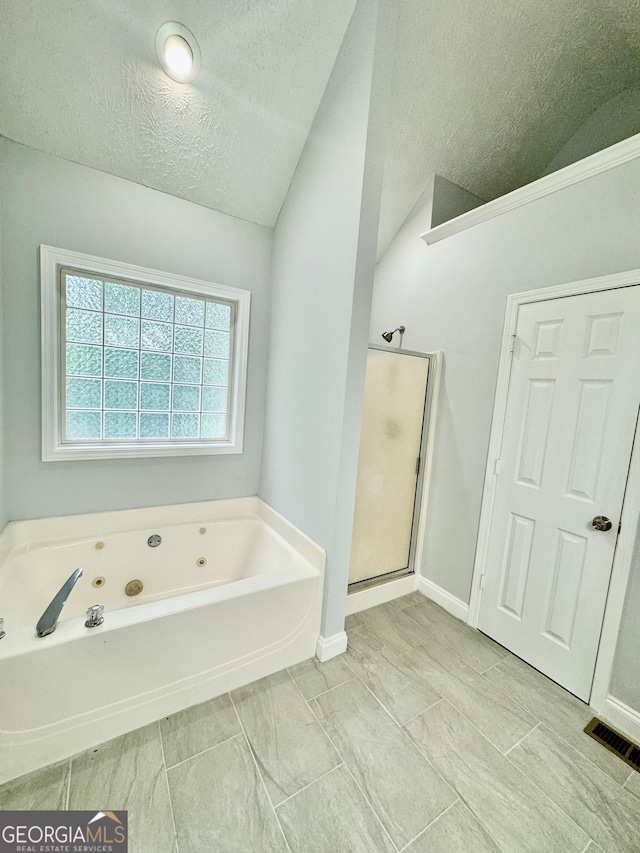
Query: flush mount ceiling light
(178, 52)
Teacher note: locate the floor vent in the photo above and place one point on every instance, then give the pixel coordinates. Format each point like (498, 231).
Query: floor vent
(615, 742)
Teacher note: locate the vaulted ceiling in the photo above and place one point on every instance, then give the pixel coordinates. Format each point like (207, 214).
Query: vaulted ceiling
(484, 93)
(80, 79)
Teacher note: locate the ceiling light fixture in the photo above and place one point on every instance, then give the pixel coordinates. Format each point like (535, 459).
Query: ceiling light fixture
(178, 52)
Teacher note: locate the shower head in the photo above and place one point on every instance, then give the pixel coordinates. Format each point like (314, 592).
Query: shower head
(389, 335)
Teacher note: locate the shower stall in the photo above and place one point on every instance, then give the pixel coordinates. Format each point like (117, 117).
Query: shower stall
(391, 464)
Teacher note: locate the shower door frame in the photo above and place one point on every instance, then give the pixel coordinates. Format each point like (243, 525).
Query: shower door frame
(427, 440)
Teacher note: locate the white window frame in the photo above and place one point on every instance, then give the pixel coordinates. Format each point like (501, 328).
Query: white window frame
(54, 447)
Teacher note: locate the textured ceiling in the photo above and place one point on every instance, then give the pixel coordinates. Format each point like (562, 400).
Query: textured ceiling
(486, 92)
(614, 121)
(79, 78)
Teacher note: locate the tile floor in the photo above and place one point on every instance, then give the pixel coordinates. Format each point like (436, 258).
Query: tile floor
(425, 737)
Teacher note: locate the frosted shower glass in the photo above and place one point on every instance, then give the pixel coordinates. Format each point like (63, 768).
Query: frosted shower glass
(392, 416)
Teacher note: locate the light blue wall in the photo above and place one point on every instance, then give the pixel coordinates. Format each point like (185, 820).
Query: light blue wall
(52, 201)
(452, 297)
(323, 267)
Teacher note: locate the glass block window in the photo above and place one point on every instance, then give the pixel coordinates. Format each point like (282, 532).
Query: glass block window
(146, 365)
(143, 363)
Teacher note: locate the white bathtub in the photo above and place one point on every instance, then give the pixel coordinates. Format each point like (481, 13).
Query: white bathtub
(195, 631)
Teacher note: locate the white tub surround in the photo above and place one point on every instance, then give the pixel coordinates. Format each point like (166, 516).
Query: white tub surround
(196, 630)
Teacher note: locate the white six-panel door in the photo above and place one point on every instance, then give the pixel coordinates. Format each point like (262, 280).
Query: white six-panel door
(572, 406)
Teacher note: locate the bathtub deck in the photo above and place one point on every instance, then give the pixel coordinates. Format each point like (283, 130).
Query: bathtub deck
(425, 736)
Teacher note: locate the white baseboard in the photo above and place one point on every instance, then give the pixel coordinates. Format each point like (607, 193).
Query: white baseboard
(380, 594)
(621, 716)
(331, 647)
(449, 602)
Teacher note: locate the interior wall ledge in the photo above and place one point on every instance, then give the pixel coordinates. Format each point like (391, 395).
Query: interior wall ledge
(601, 161)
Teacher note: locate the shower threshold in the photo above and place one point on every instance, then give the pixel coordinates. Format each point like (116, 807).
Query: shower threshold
(366, 583)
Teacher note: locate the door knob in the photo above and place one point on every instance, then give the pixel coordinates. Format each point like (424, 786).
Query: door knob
(601, 522)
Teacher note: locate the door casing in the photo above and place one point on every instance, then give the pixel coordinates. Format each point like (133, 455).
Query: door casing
(599, 698)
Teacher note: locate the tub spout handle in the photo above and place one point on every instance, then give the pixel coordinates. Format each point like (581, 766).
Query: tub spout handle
(94, 616)
(49, 619)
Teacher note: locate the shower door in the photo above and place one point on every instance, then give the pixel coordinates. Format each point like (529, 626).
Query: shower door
(388, 465)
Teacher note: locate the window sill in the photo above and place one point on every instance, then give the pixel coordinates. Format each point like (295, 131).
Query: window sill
(65, 453)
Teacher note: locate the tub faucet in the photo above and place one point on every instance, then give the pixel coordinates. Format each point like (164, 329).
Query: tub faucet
(94, 616)
(49, 619)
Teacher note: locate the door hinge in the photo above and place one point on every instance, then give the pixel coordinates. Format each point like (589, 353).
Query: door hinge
(482, 581)
(418, 460)
(496, 467)
(513, 343)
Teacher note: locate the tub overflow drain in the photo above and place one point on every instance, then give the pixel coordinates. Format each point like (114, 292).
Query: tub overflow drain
(134, 587)
(201, 561)
(154, 540)
(97, 582)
